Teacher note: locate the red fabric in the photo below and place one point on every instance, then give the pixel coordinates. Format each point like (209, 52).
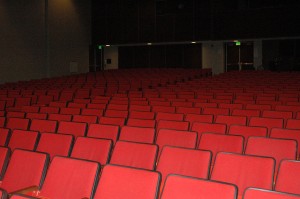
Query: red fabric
(25, 169)
(23, 139)
(89, 119)
(288, 178)
(293, 124)
(230, 120)
(92, 149)
(278, 114)
(182, 161)
(247, 131)
(17, 123)
(188, 110)
(244, 171)
(116, 113)
(141, 123)
(43, 126)
(252, 193)
(198, 118)
(55, 144)
(278, 149)
(137, 134)
(169, 116)
(59, 117)
(92, 111)
(217, 143)
(70, 178)
(4, 156)
(119, 121)
(215, 111)
(244, 112)
(73, 128)
(179, 187)
(121, 182)
(104, 131)
(136, 155)
(266, 122)
(208, 128)
(176, 125)
(141, 115)
(69, 111)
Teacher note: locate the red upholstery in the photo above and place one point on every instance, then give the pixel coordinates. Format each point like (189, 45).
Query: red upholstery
(89, 119)
(198, 118)
(55, 144)
(206, 105)
(287, 134)
(278, 149)
(43, 126)
(41, 116)
(73, 128)
(169, 116)
(261, 107)
(175, 125)
(23, 139)
(76, 105)
(104, 131)
(123, 182)
(188, 110)
(141, 123)
(116, 113)
(215, 111)
(183, 161)
(164, 109)
(178, 187)
(176, 138)
(137, 134)
(293, 124)
(25, 169)
(120, 121)
(92, 111)
(294, 109)
(59, 117)
(288, 178)
(70, 178)
(15, 114)
(230, 120)
(278, 114)
(69, 111)
(141, 115)
(50, 109)
(3, 194)
(208, 128)
(93, 149)
(133, 154)
(218, 142)
(4, 136)
(247, 113)
(244, 171)
(4, 157)
(136, 107)
(254, 193)
(269, 123)
(247, 131)
(231, 107)
(17, 123)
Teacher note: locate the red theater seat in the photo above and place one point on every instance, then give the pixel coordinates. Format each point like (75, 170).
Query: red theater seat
(254, 193)
(22, 139)
(43, 126)
(137, 134)
(104, 131)
(73, 128)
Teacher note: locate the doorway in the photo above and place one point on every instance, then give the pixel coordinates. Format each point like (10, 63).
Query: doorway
(239, 56)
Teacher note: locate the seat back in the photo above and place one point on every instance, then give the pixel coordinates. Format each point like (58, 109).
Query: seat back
(254, 193)
(247, 131)
(23, 140)
(2, 121)
(137, 134)
(48, 126)
(124, 182)
(175, 125)
(269, 123)
(141, 115)
(70, 178)
(55, 144)
(218, 142)
(119, 121)
(89, 119)
(231, 120)
(278, 149)
(141, 123)
(183, 161)
(138, 155)
(59, 117)
(104, 131)
(208, 128)
(288, 177)
(17, 123)
(74, 128)
(25, 169)
(93, 149)
(244, 171)
(169, 116)
(198, 118)
(293, 124)
(69, 111)
(178, 187)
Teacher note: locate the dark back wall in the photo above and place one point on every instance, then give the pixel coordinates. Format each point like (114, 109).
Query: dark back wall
(140, 21)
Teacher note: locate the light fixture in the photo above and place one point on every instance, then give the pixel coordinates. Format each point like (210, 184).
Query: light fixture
(149, 44)
(107, 45)
(193, 42)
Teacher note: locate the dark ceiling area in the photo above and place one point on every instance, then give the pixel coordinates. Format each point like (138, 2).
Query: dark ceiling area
(142, 21)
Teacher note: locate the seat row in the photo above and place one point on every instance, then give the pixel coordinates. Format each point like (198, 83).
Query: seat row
(179, 172)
